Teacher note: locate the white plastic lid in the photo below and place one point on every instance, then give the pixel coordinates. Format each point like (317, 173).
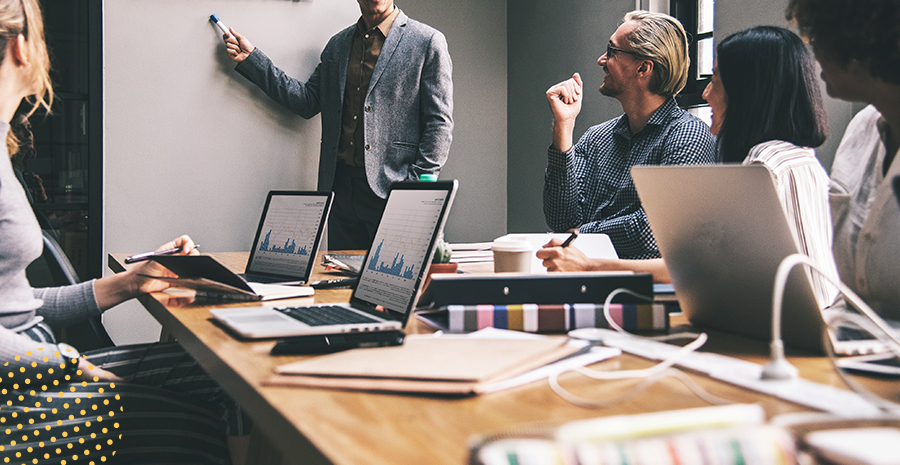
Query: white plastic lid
(511, 245)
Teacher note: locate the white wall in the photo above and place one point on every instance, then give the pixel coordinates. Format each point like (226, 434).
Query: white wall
(476, 36)
(192, 147)
(548, 42)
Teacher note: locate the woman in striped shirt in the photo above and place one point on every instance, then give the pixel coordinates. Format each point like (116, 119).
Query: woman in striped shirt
(767, 109)
(58, 406)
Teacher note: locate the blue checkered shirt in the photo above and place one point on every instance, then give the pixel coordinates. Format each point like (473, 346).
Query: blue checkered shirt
(589, 187)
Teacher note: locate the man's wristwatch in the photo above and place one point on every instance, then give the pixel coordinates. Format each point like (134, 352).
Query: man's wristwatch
(71, 356)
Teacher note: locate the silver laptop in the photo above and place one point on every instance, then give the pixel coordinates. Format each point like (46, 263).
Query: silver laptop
(287, 240)
(723, 233)
(389, 283)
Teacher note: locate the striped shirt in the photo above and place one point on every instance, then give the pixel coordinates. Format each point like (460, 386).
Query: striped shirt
(865, 213)
(802, 186)
(589, 187)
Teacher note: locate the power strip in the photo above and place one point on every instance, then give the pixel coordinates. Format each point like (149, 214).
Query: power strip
(747, 375)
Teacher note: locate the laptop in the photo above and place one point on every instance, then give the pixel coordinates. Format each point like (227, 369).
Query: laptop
(392, 274)
(288, 237)
(723, 233)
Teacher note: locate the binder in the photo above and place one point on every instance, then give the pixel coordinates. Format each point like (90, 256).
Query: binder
(526, 288)
(545, 318)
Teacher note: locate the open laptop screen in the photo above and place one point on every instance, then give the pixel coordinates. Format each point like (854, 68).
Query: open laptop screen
(404, 244)
(289, 233)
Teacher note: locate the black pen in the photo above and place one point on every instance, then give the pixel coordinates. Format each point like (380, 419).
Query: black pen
(144, 256)
(569, 239)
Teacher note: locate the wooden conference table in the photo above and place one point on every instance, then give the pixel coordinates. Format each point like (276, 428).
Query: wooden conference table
(329, 426)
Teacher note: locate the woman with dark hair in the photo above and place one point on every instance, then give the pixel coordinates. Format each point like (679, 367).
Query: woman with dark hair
(766, 108)
(768, 79)
(857, 42)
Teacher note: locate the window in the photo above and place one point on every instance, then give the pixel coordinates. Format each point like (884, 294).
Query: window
(697, 16)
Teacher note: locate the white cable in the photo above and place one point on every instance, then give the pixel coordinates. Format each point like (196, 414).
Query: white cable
(650, 375)
(637, 389)
(796, 259)
(778, 368)
(646, 372)
(612, 324)
(893, 341)
(884, 404)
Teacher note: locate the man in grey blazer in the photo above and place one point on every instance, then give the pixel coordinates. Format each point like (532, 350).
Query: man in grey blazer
(384, 88)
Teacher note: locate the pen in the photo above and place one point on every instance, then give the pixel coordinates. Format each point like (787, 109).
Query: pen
(569, 239)
(144, 256)
(222, 27)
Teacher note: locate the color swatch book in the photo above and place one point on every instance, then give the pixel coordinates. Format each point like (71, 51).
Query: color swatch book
(545, 318)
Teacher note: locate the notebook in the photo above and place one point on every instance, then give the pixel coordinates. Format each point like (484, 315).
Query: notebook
(429, 364)
(723, 233)
(288, 237)
(394, 269)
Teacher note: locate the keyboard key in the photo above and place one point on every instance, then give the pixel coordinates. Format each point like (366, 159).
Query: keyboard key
(326, 315)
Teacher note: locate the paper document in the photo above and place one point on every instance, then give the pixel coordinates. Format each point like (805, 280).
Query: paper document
(470, 246)
(350, 264)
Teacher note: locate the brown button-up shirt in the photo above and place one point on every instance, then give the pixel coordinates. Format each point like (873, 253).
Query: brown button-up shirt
(363, 55)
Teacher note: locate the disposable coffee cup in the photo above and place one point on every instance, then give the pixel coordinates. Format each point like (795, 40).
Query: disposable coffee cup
(512, 256)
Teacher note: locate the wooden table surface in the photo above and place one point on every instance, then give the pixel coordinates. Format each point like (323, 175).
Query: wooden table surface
(330, 426)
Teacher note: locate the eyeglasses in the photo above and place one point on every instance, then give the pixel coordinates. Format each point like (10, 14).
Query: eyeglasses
(611, 51)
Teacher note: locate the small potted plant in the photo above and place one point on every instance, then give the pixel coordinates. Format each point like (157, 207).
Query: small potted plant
(441, 261)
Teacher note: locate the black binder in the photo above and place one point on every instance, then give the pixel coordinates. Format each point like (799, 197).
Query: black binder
(516, 288)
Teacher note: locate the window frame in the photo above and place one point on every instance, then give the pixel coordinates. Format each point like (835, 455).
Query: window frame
(687, 12)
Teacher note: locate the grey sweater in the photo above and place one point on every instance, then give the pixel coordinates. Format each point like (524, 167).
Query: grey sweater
(22, 307)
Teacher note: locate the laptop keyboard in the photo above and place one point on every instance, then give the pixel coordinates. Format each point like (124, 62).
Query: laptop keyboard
(326, 315)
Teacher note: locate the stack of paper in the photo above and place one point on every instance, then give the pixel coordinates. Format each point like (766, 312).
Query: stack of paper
(471, 252)
(447, 365)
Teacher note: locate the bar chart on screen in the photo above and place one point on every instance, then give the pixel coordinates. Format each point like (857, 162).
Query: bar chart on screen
(288, 234)
(400, 248)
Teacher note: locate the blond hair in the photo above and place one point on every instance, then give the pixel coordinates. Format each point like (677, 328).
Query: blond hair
(661, 38)
(23, 17)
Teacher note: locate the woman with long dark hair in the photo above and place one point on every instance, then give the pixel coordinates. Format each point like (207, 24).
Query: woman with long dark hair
(767, 109)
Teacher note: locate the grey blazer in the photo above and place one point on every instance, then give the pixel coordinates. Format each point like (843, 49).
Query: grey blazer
(408, 107)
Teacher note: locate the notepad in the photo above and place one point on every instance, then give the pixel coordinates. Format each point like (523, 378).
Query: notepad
(453, 365)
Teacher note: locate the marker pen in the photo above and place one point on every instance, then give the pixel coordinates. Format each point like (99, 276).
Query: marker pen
(220, 25)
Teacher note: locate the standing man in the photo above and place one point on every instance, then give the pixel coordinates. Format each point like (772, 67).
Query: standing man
(588, 185)
(385, 92)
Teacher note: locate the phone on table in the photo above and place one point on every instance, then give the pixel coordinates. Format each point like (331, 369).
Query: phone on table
(329, 343)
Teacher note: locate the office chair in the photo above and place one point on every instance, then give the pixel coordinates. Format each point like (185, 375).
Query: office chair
(54, 269)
